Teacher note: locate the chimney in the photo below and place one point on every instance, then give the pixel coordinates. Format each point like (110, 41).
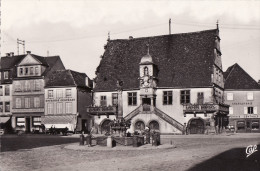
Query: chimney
(11, 53)
(7, 54)
(170, 21)
(28, 52)
(131, 37)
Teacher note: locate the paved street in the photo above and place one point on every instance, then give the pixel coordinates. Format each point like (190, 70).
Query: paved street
(191, 152)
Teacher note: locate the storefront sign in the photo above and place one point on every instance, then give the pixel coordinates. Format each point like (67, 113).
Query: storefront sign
(204, 108)
(60, 100)
(27, 110)
(101, 110)
(245, 116)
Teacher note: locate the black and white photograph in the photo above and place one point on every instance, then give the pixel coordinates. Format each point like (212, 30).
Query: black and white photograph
(126, 85)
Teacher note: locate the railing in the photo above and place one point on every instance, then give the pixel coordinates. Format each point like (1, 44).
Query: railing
(133, 113)
(168, 119)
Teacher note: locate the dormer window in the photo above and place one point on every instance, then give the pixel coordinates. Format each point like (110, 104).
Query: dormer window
(36, 70)
(26, 71)
(31, 70)
(6, 75)
(21, 71)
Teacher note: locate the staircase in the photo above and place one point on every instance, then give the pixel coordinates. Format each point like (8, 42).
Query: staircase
(168, 119)
(133, 113)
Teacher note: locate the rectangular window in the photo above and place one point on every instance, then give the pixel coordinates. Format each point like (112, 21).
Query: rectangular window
(59, 94)
(7, 106)
(21, 71)
(1, 91)
(27, 102)
(36, 70)
(132, 99)
(230, 110)
(68, 92)
(37, 85)
(229, 96)
(20, 121)
(103, 100)
(250, 96)
(36, 121)
(7, 90)
(18, 103)
(50, 108)
(18, 87)
(1, 106)
(68, 107)
(250, 110)
(26, 71)
(255, 125)
(114, 99)
(185, 96)
(31, 70)
(6, 75)
(200, 97)
(167, 97)
(27, 86)
(36, 102)
(50, 93)
(59, 108)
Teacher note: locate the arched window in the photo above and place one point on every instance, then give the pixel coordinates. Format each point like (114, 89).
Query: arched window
(154, 125)
(139, 125)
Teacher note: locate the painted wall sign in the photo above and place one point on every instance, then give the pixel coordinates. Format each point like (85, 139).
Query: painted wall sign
(242, 103)
(60, 100)
(102, 110)
(245, 116)
(27, 110)
(204, 107)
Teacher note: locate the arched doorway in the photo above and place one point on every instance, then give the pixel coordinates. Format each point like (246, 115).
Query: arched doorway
(105, 127)
(196, 126)
(154, 125)
(139, 126)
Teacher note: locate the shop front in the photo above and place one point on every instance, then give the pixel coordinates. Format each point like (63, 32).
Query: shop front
(245, 123)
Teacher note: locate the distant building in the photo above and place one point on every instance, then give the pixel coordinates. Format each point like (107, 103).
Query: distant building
(29, 76)
(162, 82)
(67, 93)
(242, 93)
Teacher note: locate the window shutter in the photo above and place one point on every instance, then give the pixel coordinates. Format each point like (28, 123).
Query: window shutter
(245, 110)
(255, 110)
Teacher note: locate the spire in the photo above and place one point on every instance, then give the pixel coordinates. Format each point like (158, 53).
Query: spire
(108, 36)
(147, 48)
(217, 23)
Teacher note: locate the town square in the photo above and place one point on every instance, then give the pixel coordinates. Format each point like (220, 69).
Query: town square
(127, 85)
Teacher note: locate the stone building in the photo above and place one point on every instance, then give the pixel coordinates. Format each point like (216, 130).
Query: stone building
(242, 93)
(165, 81)
(28, 84)
(67, 93)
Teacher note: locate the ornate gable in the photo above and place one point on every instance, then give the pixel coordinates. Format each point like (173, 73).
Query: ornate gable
(29, 60)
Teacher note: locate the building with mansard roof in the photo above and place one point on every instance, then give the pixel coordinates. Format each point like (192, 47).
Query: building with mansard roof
(242, 93)
(67, 93)
(164, 81)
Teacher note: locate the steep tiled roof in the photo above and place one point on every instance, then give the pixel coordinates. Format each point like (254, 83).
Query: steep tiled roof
(183, 60)
(66, 78)
(237, 78)
(11, 61)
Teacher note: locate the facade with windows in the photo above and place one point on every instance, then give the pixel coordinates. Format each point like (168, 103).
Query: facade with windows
(28, 90)
(242, 93)
(67, 93)
(163, 82)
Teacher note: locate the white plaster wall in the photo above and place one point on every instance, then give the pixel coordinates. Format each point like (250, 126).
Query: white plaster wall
(5, 98)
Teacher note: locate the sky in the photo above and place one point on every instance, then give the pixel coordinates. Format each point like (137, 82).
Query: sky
(77, 30)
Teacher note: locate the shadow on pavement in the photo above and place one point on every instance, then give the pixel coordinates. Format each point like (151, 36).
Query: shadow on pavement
(14, 142)
(233, 159)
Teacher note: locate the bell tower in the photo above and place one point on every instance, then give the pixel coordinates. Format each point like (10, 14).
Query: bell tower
(148, 81)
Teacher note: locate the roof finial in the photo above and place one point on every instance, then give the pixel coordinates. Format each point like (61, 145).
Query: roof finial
(147, 48)
(108, 38)
(217, 24)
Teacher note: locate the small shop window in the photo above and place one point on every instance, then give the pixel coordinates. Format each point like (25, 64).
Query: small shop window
(255, 125)
(240, 125)
(20, 121)
(36, 121)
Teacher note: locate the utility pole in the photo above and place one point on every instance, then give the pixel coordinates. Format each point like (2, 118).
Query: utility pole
(170, 21)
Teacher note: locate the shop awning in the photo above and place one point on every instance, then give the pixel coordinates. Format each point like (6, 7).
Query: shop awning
(4, 119)
(59, 119)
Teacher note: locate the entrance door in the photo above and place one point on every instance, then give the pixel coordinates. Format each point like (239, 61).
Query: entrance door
(28, 125)
(248, 125)
(84, 125)
(146, 104)
(196, 126)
